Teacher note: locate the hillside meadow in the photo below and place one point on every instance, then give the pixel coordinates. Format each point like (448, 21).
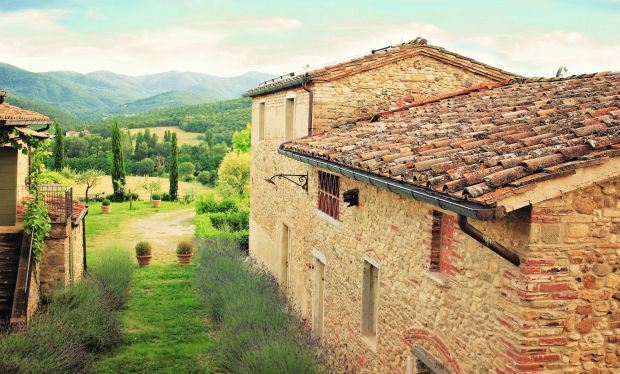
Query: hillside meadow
(104, 186)
(183, 137)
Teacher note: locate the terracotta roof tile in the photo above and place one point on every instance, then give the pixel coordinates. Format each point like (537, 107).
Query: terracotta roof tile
(12, 115)
(487, 142)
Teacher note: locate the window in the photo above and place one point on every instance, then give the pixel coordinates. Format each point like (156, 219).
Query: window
(290, 119)
(441, 242)
(318, 297)
(261, 121)
(370, 299)
(329, 194)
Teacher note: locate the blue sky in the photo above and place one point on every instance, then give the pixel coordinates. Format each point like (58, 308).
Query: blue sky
(230, 37)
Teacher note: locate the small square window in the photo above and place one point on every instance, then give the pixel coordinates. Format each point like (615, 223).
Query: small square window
(370, 300)
(261, 121)
(329, 194)
(441, 242)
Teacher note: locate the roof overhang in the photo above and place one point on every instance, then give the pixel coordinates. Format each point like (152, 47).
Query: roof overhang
(277, 85)
(462, 207)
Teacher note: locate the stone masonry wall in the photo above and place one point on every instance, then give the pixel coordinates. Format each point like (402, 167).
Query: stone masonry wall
(569, 287)
(62, 257)
(387, 87)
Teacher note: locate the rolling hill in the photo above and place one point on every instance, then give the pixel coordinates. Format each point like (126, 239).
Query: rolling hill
(103, 93)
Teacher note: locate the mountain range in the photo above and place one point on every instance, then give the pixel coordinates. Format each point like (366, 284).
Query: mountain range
(102, 94)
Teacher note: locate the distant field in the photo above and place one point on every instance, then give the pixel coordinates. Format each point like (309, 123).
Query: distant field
(183, 137)
(105, 186)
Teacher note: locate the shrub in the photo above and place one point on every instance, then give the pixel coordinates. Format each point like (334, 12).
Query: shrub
(185, 248)
(206, 177)
(156, 196)
(210, 204)
(257, 331)
(79, 321)
(125, 197)
(105, 202)
(143, 248)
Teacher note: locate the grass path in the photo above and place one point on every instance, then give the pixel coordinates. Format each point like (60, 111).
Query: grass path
(164, 324)
(165, 330)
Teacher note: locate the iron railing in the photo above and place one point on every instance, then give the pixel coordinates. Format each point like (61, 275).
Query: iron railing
(59, 200)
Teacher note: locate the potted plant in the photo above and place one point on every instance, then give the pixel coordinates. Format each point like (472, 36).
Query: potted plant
(143, 253)
(156, 200)
(185, 251)
(105, 206)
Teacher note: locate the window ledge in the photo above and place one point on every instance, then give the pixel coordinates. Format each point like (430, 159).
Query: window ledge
(327, 218)
(441, 279)
(371, 342)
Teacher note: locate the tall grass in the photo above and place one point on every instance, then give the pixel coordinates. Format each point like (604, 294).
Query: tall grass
(79, 321)
(257, 331)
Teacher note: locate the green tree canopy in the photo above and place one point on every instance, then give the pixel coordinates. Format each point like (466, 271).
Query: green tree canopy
(174, 167)
(118, 163)
(59, 148)
(234, 175)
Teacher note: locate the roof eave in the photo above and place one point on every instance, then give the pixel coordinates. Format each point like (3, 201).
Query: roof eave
(277, 86)
(462, 207)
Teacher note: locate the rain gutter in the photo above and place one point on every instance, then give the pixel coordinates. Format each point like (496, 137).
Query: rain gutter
(463, 208)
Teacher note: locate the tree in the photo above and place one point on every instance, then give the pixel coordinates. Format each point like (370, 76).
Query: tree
(145, 167)
(151, 186)
(241, 140)
(234, 175)
(186, 169)
(59, 148)
(118, 163)
(174, 167)
(90, 178)
(208, 137)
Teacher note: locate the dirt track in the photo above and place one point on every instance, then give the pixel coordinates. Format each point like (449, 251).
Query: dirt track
(162, 230)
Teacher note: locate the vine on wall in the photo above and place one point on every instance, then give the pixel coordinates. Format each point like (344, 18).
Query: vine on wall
(37, 221)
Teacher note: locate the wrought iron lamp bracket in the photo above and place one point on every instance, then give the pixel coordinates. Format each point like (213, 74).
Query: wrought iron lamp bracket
(300, 180)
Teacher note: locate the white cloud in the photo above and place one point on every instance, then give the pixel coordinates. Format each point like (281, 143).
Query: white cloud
(35, 40)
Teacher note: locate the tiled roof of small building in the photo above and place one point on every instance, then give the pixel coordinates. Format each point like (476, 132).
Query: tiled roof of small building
(12, 115)
(487, 142)
(380, 58)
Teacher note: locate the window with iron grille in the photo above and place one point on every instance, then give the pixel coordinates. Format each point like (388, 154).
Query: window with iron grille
(329, 194)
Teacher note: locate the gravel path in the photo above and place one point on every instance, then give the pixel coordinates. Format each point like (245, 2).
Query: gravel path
(162, 230)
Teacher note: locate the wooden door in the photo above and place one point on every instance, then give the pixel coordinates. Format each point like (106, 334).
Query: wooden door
(8, 186)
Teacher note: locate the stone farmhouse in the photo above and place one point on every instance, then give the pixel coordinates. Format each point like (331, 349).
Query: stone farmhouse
(452, 218)
(24, 283)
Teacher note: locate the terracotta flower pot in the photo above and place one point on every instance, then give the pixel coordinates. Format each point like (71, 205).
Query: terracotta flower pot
(155, 203)
(184, 259)
(144, 260)
(106, 209)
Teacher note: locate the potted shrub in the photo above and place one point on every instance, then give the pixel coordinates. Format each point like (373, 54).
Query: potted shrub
(156, 200)
(185, 251)
(105, 206)
(143, 253)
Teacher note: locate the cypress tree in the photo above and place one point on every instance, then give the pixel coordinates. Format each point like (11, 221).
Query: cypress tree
(174, 167)
(118, 163)
(59, 148)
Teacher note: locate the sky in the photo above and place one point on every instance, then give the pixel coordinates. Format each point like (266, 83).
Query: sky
(226, 38)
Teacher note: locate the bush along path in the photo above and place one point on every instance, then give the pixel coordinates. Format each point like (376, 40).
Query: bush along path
(256, 331)
(80, 322)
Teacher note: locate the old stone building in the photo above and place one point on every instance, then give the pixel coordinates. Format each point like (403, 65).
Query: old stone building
(470, 232)
(22, 281)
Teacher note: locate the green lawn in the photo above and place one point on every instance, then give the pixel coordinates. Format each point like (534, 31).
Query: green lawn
(165, 326)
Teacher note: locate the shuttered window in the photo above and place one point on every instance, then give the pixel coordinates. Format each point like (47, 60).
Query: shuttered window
(329, 194)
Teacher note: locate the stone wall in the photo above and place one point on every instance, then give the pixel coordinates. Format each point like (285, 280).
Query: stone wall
(62, 261)
(569, 286)
(389, 86)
